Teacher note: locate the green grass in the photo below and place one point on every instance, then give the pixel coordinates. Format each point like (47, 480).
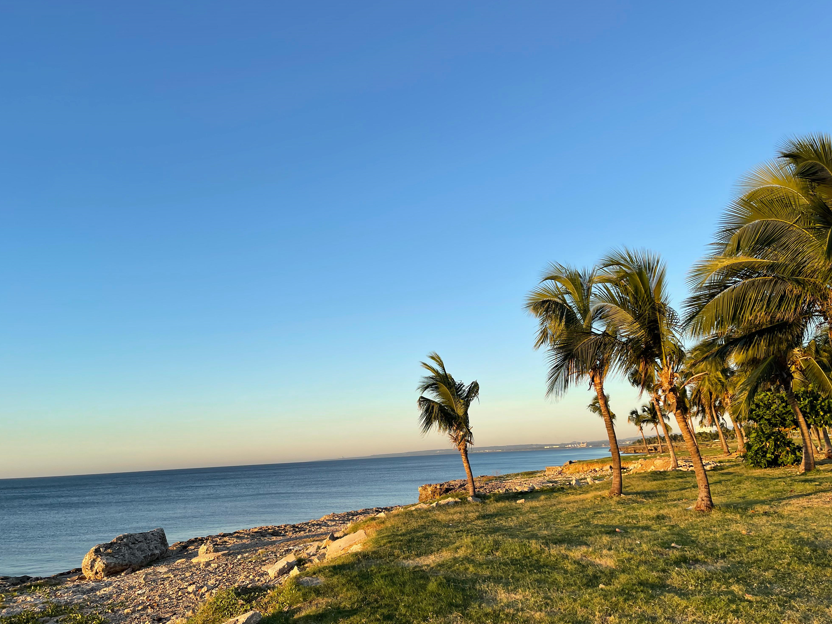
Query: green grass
(230, 603)
(63, 614)
(762, 556)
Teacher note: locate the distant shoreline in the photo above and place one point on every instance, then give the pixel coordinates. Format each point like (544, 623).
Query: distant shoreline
(430, 452)
(569, 446)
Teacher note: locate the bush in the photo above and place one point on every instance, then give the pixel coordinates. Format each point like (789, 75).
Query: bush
(769, 448)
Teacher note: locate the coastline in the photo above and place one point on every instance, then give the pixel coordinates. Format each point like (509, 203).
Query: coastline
(172, 588)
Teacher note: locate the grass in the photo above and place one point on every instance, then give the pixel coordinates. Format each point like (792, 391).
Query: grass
(230, 603)
(63, 614)
(763, 556)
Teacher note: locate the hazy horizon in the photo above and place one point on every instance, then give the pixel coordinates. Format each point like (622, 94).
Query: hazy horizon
(231, 235)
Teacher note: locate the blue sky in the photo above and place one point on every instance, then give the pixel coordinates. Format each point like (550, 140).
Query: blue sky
(229, 232)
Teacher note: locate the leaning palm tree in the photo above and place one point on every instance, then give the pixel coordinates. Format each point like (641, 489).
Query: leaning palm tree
(638, 420)
(636, 306)
(645, 381)
(651, 417)
(578, 344)
(705, 395)
(595, 408)
(446, 409)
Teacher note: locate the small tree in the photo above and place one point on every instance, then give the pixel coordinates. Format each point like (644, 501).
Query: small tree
(446, 409)
(638, 419)
(773, 420)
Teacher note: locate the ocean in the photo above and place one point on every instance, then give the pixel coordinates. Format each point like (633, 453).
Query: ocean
(48, 524)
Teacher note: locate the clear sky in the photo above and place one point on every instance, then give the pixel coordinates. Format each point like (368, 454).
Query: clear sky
(229, 232)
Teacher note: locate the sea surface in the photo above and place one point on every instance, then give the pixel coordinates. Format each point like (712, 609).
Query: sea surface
(48, 524)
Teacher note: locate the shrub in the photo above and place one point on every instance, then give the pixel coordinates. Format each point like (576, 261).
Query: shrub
(769, 448)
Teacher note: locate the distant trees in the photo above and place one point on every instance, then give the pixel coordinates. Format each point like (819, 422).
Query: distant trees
(445, 408)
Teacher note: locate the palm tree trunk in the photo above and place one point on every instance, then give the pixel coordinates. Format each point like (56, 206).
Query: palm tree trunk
(693, 430)
(658, 438)
(738, 432)
(674, 463)
(704, 502)
(826, 441)
(808, 462)
(715, 421)
(616, 487)
(463, 451)
(641, 431)
(817, 435)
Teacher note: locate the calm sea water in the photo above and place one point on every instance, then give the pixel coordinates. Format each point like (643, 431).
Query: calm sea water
(48, 524)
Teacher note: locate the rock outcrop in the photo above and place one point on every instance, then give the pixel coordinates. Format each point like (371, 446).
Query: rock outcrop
(284, 566)
(131, 550)
(345, 544)
(252, 617)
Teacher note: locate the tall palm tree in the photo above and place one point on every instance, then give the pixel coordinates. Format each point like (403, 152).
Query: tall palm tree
(766, 284)
(446, 409)
(773, 250)
(636, 306)
(578, 344)
(638, 419)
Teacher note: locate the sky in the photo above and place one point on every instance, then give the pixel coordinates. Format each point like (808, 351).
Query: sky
(229, 232)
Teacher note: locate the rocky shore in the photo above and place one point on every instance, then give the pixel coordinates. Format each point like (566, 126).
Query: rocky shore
(171, 588)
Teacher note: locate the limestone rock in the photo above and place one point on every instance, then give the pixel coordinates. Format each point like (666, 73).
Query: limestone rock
(474, 499)
(435, 490)
(345, 544)
(128, 551)
(449, 501)
(282, 567)
(207, 552)
(252, 617)
(310, 581)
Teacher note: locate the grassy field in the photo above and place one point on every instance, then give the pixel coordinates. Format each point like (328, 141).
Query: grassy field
(575, 555)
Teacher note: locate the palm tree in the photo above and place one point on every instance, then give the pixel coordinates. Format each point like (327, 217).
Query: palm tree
(769, 347)
(636, 306)
(766, 284)
(773, 250)
(706, 393)
(638, 419)
(651, 417)
(646, 382)
(578, 344)
(595, 407)
(446, 409)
